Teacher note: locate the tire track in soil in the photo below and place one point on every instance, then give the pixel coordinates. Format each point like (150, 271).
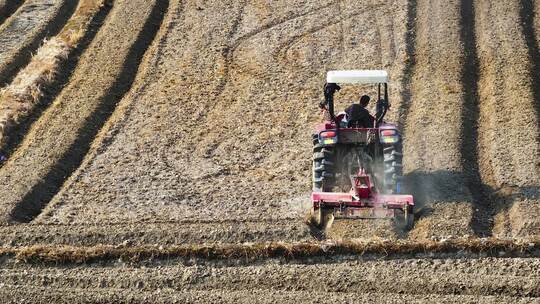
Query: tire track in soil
(386, 39)
(411, 41)
(273, 24)
(7, 8)
(228, 52)
(339, 5)
(283, 48)
(20, 39)
(228, 59)
(51, 92)
(39, 192)
(406, 82)
(378, 45)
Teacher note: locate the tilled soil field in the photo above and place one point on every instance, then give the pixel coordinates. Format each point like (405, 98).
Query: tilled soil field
(189, 122)
(484, 280)
(433, 123)
(508, 95)
(83, 105)
(252, 166)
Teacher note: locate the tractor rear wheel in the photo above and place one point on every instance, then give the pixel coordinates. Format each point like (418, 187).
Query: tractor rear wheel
(323, 166)
(404, 219)
(393, 168)
(323, 218)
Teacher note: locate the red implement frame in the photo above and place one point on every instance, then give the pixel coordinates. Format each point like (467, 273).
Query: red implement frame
(362, 201)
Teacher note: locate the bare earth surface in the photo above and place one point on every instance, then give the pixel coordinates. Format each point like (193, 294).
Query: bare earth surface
(160, 233)
(507, 117)
(135, 296)
(48, 148)
(484, 280)
(433, 124)
(189, 122)
(244, 151)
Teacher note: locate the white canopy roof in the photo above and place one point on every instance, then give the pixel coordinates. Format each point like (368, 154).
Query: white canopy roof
(357, 76)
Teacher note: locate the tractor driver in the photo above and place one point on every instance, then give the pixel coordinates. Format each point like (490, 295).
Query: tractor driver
(358, 116)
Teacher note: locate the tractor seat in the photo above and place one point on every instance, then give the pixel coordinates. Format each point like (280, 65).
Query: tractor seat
(357, 124)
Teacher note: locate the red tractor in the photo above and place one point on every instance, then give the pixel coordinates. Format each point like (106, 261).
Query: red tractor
(357, 170)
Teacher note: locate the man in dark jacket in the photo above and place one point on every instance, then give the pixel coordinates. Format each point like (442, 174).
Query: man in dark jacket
(358, 116)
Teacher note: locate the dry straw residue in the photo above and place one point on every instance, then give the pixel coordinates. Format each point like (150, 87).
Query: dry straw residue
(257, 251)
(19, 98)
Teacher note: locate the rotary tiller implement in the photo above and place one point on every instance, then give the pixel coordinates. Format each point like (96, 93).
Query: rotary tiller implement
(362, 202)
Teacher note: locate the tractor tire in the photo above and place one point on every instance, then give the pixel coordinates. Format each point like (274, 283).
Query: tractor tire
(323, 218)
(393, 168)
(323, 167)
(404, 220)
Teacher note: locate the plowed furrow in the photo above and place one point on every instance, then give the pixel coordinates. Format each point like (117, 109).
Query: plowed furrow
(36, 85)
(508, 145)
(184, 17)
(58, 141)
(422, 278)
(8, 7)
(433, 136)
(141, 233)
(104, 295)
(23, 32)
